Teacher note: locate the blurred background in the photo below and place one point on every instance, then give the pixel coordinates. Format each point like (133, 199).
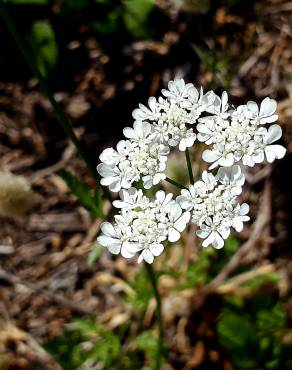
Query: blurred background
(65, 303)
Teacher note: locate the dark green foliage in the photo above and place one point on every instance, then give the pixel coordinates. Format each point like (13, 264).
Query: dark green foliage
(43, 43)
(87, 343)
(143, 290)
(27, 2)
(147, 342)
(251, 331)
(88, 199)
(135, 15)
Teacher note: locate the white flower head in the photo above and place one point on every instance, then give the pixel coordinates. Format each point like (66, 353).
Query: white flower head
(143, 224)
(213, 206)
(237, 135)
(177, 118)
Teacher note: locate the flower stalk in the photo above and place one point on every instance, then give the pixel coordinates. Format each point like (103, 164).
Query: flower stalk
(189, 164)
(153, 280)
(172, 182)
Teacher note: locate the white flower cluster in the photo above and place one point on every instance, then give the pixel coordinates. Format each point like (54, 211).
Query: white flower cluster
(234, 135)
(214, 207)
(164, 124)
(239, 135)
(142, 225)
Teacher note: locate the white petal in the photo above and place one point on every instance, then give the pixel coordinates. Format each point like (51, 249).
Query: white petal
(244, 209)
(126, 254)
(218, 242)
(107, 240)
(258, 157)
(252, 106)
(274, 133)
(138, 127)
(105, 170)
(182, 145)
(224, 101)
(173, 235)
(156, 249)
(147, 256)
(174, 212)
(203, 233)
(114, 186)
(202, 128)
(210, 156)
(224, 231)
(237, 224)
(268, 107)
(108, 229)
(129, 132)
(274, 151)
(209, 240)
(160, 195)
(180, 224)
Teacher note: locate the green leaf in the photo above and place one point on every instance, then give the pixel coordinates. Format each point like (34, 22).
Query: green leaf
(147, 342)
(271, 320)
(94, 254)
(43, 42)
(92, 202)
(235, 331)
(107, 349)
(258, 281)
(136, 15)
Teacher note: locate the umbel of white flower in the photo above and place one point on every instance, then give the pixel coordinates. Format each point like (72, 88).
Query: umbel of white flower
(170, 121)
(214, 206)
(143, 224)
(177, 118)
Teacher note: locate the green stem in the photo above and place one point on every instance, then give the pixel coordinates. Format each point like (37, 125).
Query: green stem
(178, 185)
(191, 176)
(62, 118)
(153, 280)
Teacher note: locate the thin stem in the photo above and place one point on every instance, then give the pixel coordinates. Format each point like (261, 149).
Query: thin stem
(62, 118)
(178, 185)
(187, 153)
(153, 280)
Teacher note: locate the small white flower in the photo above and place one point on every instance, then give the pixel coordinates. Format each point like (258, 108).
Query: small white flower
(266, 112)
(178, 90)
(143, 224)
(213, 234)
(115, 177)
(141, 130)
(116, 240)
(152, 113)
(240, 216)
(273, 151)
(177, 222)
(219, 156)
(232, 178)
(131, 199)
(148, 254)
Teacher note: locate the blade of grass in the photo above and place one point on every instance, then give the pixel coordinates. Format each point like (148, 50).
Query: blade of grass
(61, 117)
